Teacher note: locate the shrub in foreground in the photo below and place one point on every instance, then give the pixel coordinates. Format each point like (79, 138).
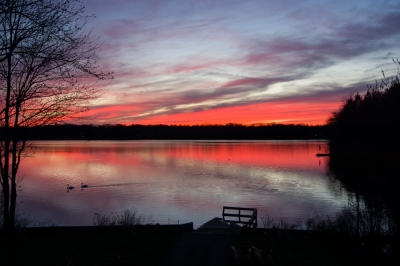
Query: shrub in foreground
(126, 218)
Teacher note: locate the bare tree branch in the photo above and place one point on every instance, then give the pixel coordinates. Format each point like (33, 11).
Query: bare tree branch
(47, 74)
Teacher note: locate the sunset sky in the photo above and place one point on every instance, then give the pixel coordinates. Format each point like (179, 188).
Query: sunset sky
(247, 61)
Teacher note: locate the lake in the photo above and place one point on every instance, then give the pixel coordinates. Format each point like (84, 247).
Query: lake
(176, 181)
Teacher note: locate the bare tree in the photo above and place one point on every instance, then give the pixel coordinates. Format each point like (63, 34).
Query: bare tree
(47, 71)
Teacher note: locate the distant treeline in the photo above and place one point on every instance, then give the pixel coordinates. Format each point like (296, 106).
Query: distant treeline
(167, 132)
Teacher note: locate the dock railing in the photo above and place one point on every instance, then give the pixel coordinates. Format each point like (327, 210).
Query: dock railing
(245, 216)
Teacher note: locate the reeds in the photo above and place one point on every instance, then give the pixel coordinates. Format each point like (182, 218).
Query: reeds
(364, 223)
(268, 222)
(126, 218)
(24, 220)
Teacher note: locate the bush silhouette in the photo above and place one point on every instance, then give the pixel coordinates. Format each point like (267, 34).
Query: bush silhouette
(372, 119)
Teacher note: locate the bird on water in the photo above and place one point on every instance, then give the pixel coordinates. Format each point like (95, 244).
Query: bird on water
(70, 187)
(83, 185)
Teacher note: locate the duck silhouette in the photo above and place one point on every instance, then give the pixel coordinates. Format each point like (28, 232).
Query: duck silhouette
(70, 187)
(84, 185)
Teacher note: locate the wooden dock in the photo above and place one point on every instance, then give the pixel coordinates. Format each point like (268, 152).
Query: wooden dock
(238, 213)
(231, 218)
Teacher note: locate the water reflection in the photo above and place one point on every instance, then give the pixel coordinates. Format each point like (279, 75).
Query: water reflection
(371, 177)
(188, 181)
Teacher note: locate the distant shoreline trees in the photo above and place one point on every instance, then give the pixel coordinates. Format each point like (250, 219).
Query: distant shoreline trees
(176, 132)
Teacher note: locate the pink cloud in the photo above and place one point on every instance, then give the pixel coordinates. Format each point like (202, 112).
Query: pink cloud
(308, 110)
(279, 112)
(187, 68)
(135, 46)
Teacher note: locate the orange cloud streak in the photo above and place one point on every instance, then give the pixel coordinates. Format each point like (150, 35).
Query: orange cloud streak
(312, 113)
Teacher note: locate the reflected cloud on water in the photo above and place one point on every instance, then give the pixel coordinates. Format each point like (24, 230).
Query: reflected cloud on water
(181, 180)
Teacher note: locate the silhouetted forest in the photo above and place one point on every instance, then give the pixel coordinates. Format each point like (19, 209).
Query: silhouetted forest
(365, 146)
(368, 122)
(166, 132)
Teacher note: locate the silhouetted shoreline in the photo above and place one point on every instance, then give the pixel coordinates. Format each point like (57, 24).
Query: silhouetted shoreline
(176, 132)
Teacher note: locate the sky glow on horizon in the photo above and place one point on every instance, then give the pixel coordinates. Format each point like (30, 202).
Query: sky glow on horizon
(190, 62)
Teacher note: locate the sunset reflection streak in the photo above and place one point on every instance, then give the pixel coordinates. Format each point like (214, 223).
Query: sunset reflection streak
(188, 181)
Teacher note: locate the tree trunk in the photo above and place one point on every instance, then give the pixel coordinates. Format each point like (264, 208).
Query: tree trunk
(14, 165)
(8, 220)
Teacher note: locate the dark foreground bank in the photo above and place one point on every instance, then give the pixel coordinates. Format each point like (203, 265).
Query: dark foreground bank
(176, 245)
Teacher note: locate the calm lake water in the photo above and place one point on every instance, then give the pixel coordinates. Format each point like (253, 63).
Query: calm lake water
(189, 181)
